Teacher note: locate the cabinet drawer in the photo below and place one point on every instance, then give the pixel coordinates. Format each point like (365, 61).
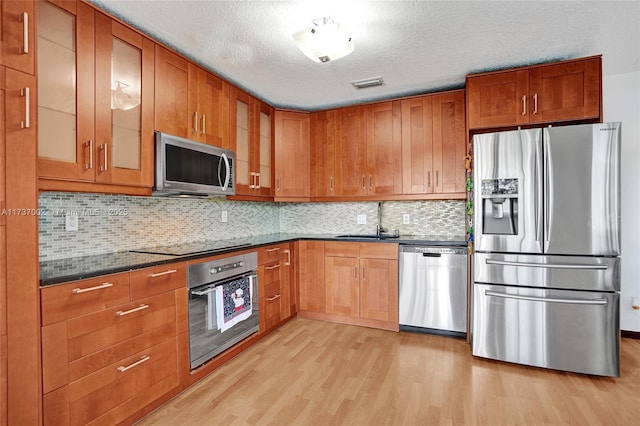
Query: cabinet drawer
(341, 249)
(158, 279)
(77, 298)
(379, 250)
(269, 312)
(269, 280)
(271, 253)
(109, 387)
(95, 332)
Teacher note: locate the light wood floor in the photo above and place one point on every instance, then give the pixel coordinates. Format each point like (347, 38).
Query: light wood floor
(320, 373)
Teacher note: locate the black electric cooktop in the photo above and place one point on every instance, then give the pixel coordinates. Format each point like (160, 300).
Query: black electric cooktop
(193, 248)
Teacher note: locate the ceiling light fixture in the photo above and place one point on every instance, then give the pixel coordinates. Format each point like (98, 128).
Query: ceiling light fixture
(368, 82)
(325, 41)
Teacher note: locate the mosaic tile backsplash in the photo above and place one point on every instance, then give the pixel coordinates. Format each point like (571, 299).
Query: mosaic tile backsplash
(111, 223)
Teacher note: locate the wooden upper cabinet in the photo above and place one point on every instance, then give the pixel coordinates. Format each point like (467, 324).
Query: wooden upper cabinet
(417, 145)
(241, 141)
(210, 95)
(368, 150)
(124, 104)
(323, 133)
(263, 154)
(66, 102)
(252, 136)
(172, 112)
(383, 174)
(190, 102)
(292, 140)
(434, 144)
(565, 91)
(95, 103)
(449, 142)
(499, 99)
(18, 35)
(350, 154)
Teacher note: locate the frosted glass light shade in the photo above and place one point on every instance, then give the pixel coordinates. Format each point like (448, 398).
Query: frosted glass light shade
(325, 41)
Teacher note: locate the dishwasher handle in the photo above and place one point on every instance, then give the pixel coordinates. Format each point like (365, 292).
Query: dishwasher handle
(432, 254)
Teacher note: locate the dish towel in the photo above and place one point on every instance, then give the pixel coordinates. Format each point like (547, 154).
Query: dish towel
(233, 302)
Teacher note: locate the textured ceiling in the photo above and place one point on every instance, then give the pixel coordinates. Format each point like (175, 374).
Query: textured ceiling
(416, 46)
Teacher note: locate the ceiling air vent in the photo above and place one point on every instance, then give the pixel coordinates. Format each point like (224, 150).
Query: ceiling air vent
(368, 82)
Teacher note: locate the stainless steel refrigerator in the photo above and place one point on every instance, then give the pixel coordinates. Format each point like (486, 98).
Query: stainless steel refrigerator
(547, 247)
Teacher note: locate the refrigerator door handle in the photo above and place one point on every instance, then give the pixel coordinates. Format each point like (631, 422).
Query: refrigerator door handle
(538, 190)
(547, 299)
(548, 187)
(545, 265)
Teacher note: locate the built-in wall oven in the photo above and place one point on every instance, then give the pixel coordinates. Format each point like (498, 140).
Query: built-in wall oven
(223, 305)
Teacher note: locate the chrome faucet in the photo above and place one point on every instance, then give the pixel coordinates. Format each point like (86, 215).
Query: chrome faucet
(379, 228)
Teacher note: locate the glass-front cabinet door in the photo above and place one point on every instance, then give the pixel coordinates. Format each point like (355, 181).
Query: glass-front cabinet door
(241, 142)
(264, 158)
(124, 105)
(95, 111)
(65, 76)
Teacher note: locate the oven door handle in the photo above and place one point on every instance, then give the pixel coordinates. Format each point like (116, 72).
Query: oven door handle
(203, 292)
(212, 288)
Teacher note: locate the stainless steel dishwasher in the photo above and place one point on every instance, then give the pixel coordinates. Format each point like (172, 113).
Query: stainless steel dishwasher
(433, 289)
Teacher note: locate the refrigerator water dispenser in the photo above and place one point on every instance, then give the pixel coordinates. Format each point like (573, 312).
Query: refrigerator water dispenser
(500, 206)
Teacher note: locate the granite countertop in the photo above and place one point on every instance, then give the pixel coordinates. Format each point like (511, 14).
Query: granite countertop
(77, 268)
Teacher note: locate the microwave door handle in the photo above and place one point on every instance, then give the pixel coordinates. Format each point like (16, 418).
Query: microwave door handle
(228, 174)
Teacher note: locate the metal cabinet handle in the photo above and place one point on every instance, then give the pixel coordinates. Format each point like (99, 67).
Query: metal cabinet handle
(104, 167)
(535, 103)
(257, 180)
(159, 274)
(429, 179)
(363, 182)
(89, 144)
(130, 311)
(355, 272)
(362, 272)
(330, 183)
(195, 122)
(288, 262)
(271, 299)
(273, 249)
(276, 266)
(437, 179)
(524, 105)
(253, 180)
(88, 289)
(25, 33)
(547, 299)
(370, 182)
(545, 265)
(26, 123)
(204, 125)
(143, 358)
(278, 184)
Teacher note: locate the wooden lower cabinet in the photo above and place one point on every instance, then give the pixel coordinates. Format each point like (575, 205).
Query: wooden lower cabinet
(311, 285)
(110, 365)
(359, 284)
(276, 286)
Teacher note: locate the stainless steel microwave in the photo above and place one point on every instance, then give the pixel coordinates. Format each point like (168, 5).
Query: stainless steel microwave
(185, 167)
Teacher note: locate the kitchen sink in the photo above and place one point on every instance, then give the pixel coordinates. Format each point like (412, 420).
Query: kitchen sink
(368, 237)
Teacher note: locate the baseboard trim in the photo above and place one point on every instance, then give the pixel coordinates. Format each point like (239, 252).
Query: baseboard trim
(631, 334)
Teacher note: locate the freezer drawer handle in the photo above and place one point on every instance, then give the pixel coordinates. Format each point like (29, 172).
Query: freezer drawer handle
(432, 254)
(544, 265)
(547, 299)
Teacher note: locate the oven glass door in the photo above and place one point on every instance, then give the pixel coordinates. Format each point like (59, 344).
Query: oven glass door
(221, 314)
